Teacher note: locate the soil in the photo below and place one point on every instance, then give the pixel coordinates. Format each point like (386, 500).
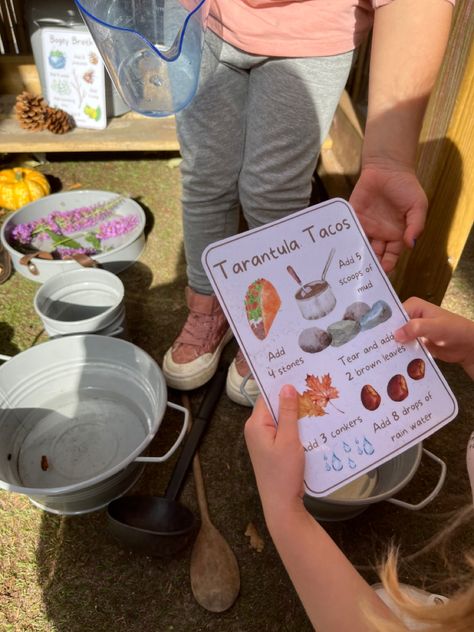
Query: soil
(68, 574)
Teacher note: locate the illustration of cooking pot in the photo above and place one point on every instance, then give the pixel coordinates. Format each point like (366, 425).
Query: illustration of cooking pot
(315, 299)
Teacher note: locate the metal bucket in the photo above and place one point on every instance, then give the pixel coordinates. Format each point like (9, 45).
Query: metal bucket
(379, 485)
(87, 300)
(76, 414)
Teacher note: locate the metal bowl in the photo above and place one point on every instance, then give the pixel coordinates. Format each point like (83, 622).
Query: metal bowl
(115, 260)
(383, 483)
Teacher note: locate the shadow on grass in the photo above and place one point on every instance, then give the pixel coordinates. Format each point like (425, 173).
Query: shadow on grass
(7, 347)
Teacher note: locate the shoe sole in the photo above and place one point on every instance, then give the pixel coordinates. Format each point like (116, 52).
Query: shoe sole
(232, 388)
(185, 377)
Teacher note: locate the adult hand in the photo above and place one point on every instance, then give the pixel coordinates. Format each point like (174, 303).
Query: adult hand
(447, 336)
(391, 206)
(277, 454)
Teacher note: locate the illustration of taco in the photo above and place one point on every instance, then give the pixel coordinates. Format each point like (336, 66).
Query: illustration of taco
(262, 303)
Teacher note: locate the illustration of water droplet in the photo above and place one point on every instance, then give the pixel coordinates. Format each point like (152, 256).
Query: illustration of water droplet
(359, 449)
(368, 447)
(156, 81)
(327, 467)
(336, 463)
(346, 446)
(351, 463)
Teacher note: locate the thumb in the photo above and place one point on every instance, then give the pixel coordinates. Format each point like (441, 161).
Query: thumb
(418, 328)
(288, 415)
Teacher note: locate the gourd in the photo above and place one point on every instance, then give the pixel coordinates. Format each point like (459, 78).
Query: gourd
(21, 185)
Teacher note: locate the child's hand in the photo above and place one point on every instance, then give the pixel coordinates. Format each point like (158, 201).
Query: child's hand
(277, 454)
(447, 336)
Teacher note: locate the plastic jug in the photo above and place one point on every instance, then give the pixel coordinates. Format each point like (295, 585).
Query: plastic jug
(151, 48)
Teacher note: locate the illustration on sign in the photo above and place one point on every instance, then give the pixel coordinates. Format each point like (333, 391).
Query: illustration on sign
(310, 305)
(75, 78)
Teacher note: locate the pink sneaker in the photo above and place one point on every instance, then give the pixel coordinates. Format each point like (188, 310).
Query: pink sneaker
(241, 386)
(194, 356)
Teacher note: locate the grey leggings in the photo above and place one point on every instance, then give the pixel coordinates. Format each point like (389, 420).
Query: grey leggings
(250, 138)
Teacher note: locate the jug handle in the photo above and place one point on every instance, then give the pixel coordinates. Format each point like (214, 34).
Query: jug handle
(174, 447)
(431, 495)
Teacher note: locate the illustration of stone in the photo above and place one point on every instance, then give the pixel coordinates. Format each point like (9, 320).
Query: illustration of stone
(356, 311)
(342, 331)
(314, 340)
(378, 313)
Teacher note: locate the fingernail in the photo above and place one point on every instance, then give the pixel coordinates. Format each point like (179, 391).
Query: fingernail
(400, 335)
(288, 390)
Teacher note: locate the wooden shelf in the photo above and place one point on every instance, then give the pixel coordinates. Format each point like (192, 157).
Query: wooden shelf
(130, 132)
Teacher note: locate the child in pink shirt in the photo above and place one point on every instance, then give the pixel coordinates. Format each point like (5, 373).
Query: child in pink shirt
(272, 74)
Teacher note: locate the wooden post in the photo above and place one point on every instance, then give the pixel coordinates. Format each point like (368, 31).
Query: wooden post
(445, 169)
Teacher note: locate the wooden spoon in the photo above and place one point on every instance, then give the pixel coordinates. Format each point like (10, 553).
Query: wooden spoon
(214, 571)
(215, 576)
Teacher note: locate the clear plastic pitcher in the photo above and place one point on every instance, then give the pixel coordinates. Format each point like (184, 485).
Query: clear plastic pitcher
(151, 48)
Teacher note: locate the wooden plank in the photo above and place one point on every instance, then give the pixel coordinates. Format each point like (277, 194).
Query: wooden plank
(347, 138)
(340, 158)
(18, 73)
(445, 169)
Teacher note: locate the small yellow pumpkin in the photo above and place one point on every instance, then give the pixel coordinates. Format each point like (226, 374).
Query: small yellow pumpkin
(21, 185)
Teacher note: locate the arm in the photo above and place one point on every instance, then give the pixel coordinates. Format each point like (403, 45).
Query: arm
(331, 590)
(447, 336)
(409, 40)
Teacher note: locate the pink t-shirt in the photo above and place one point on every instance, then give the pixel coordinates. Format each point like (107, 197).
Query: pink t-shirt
(293, 28)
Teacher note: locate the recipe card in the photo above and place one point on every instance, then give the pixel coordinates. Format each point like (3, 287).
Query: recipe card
(310, 305)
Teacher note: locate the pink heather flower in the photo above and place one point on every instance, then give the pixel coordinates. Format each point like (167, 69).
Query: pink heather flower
(69, 252)
(116, 227)
(88, 220)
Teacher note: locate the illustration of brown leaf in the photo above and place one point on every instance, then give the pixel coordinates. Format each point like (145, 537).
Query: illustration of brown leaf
(321, 389)
(307, 407)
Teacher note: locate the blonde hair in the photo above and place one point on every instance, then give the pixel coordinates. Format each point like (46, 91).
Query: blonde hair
(454, 615)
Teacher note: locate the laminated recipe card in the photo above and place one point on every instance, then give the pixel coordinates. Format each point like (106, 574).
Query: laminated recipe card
(310, 305)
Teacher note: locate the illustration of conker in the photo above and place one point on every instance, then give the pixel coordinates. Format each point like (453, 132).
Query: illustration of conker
(369, 397)
(416, 369)
(397, 388)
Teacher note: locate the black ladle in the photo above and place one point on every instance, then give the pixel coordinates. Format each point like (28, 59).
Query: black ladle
(160, 525)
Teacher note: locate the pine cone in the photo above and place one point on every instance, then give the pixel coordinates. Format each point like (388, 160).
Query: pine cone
(58, 121)
(31, 111)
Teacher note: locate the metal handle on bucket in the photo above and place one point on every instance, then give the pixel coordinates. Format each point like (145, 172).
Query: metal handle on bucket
(160, 459)
(432, 495)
